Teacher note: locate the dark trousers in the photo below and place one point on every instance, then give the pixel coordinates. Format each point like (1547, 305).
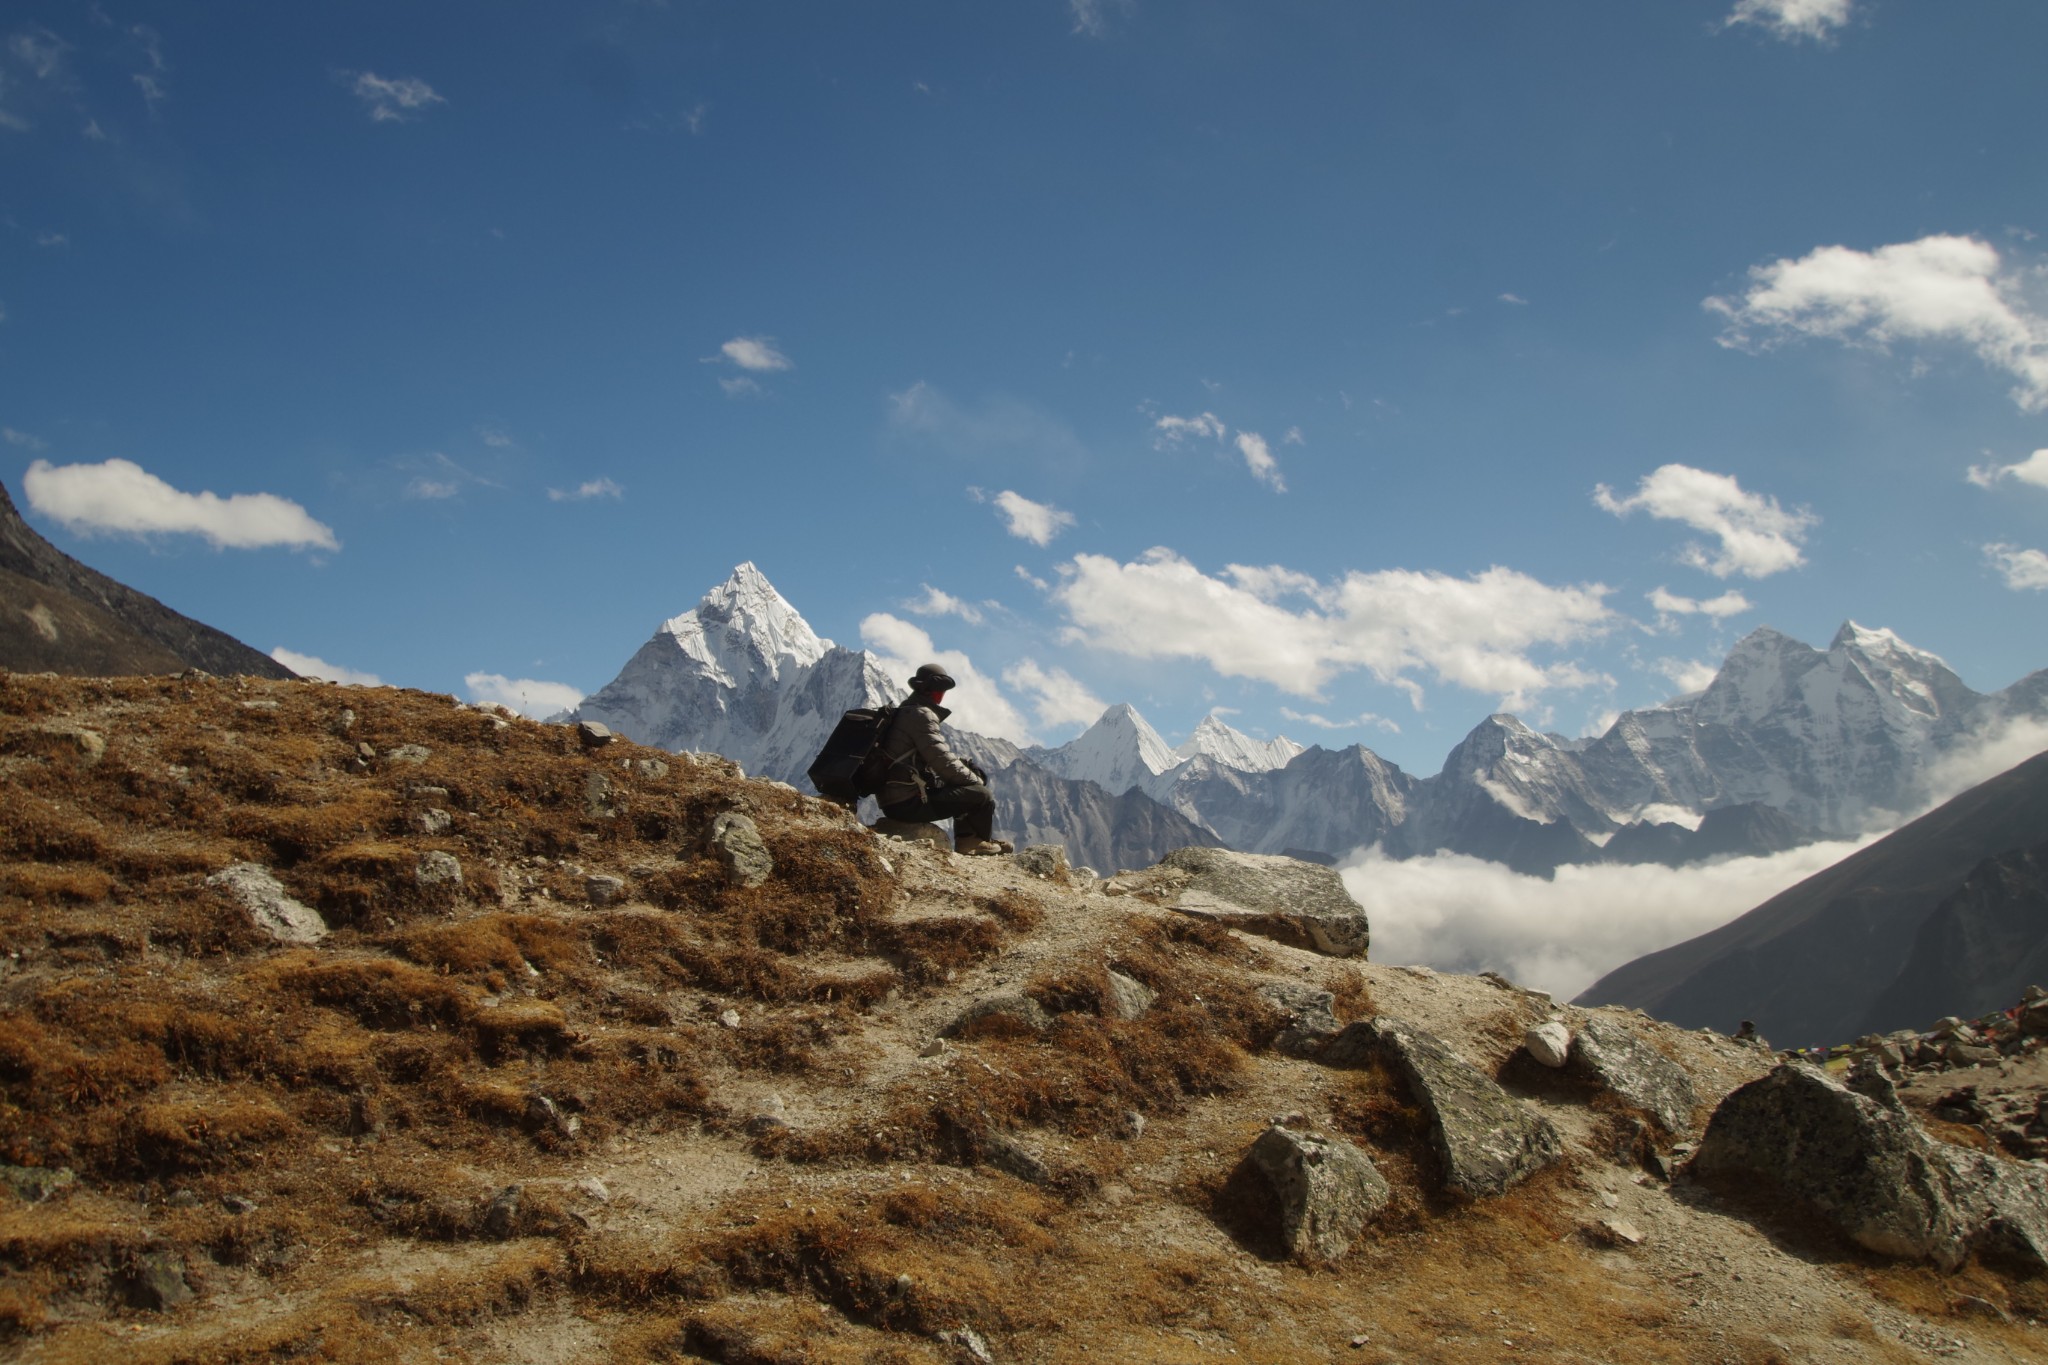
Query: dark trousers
(971, 809)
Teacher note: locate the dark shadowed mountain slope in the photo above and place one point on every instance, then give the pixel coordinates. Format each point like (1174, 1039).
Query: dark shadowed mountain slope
(61, 617)
(1811, 964)
(1099, 830)
(1981, 947)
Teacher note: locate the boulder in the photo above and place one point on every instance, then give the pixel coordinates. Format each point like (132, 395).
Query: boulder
(1312, 1018)
(1301, 904)
(500, 1217)
(252, 886)
(156, 1281)
(598, 802)
(1044, 860)
(1327, 1189)
(1549, 1042)
(1869, 1168)
(1637, 1074)
(1486, 1141)
(735, 840)
(438, 869)
(1126, 997)
(602, 888)
(409, 753)
(593, 734)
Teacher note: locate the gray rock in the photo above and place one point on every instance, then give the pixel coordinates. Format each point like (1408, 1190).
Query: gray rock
(597, 797)
(257, 891)
(1328, 1190)
(1870, 1169)
(1549, 1042)
(1637, 1074)
(603, 888)
(409, 753)
(237, 1205)
(1005, 1153)
(501, 1215)
(34, 1184)
(651, 767)
(1312, 1018)
(594, 735)
(1485, 1140)
(91, 744)
(156, 1281)
(1044, 860)
(1020, 1008)
(438, 869)
(1298, 903)
(966, 1344)
(544, 1113)
(735, 840)
(593, 1188)
(1127, 997)
(433, 820)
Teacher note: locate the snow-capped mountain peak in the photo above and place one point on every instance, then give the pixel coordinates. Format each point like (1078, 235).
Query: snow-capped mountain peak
(744, 629)
(1235, 749)
(1119, 751)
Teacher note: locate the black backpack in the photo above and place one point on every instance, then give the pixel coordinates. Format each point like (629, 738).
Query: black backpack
(852, 764)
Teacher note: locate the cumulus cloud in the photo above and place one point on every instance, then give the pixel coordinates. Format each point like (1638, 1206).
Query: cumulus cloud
(1057, 698)
(2033, 470)
(1758, 537)
(1979, 760)
(2022, 570)
(938, 603)
(1477, 632)
(312, 666)
(528, 696)
(757, 354)
(1258, 458)
(1687, 675)
(393, 100)
(122, 497)
(1942, 289)
(1668, 603)
(1462, 914)
(1037, 522)
(1793, 19)
(1358, 722)
(1170, 431)
(583, 492)
(977, 703)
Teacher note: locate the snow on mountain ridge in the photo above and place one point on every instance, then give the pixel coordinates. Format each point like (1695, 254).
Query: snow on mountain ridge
(1235, 749)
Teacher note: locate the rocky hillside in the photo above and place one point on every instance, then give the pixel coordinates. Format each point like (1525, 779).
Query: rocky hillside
(58, 616)
(360, 1025)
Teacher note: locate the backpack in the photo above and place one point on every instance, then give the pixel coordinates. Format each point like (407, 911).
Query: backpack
(852, 763)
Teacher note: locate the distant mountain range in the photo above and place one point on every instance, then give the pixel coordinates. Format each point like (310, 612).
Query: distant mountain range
(58, 616)
(1787, 744)
(1946, 915)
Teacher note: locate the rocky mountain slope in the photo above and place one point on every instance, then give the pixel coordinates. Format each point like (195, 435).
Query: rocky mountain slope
(1809, 743)
(360, 1025)
(58, 616)
(1937, 917)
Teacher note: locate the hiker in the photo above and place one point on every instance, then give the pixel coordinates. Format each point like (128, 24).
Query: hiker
(926, 780)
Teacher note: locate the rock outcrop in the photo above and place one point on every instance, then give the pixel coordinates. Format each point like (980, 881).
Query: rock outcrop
(1298, 903)
(1634, 1072)
(1327, 1190)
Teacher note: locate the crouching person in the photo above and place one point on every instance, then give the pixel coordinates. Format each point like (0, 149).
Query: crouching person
(926, 780)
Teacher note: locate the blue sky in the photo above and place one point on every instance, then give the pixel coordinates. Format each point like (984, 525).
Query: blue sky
(1270, 357)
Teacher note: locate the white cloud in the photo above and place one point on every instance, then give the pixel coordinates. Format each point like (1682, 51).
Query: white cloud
(755, 353)
(152, 91)
(1758, 537)
(1668, 603)
(1090, 17)
(312, 666)
(41, 51)
(423, 489)
(527, 696)
(1687, 675)
(1514, 299)
(2022, 570)
(1358, 722)
(2002, 747)
(1461, 914)
(1057, 698)
(1172, 431)
(52, 239)
(977, 703)
(1037, 522)
(1793, 19)
(1475, 632)
(1293, 437)
(740, 386)
(583, 492)
(937, 603)
(25, 439)
(121, 496)
(2033, 470)
(1258, 458)
(393, 101)
(1937, 289)
(1033, 579)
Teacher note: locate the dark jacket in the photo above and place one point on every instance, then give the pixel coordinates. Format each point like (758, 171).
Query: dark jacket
(919, 758)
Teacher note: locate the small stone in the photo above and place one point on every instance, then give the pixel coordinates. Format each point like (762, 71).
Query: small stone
(260, 704)
(1620, 1232)
(1044, 860)
(234, 1203)
(593, 1188)
(157, 1281)
(594, 735)
(735, 840)
(366, 751)
(651, 767)
(409, 753)
(501, 1215)
(1007, 1154)
(1549, 1043)
(729, 1018)
(433, 820)
(966, 1345)
(603, 889)
(597, 796)
(438, 869)
(259, 893)
(937, 1047)
(1127, 997)
(346, 721)
(1130, 1125)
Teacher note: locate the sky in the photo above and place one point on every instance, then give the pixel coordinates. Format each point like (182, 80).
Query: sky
(1354, 369)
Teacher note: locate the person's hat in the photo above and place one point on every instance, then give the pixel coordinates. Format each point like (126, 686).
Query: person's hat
(931, 678)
